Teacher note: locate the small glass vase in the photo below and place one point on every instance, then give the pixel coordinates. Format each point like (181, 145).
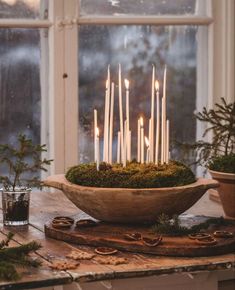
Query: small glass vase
(15, 205)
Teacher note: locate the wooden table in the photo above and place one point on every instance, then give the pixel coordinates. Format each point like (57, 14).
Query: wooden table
(45, 206)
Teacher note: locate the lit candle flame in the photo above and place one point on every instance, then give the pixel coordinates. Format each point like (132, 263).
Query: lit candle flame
(141, 121)
(157, 85)
(126, 84)
(97, 132)
(146, 142)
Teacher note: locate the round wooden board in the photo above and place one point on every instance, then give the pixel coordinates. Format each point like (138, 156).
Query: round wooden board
(111, 235)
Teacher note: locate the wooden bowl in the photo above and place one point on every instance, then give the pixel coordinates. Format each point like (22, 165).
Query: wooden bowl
(130, 205)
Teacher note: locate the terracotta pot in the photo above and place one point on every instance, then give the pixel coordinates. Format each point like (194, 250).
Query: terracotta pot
(126, 205)
(226, 191)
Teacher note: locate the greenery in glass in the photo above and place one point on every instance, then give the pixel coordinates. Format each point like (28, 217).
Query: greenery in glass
(19, 168)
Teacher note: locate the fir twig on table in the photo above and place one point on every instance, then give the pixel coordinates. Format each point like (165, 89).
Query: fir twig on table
(18, 255)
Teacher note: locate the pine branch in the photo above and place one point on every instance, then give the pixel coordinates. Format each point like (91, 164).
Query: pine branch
(25, 261)
(25, 249)
(20, 160)
(19, 255)
(5, 243)
(8, 271)
(221, 122)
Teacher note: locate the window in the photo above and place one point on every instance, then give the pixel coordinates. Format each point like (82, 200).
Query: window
(23, 62)
(57, 56)
(137, 48)
(163, 39)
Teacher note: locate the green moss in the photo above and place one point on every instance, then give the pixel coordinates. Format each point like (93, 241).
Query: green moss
(223, 163)
(134, 175)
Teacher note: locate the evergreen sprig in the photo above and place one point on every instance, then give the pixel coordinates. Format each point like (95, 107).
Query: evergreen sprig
(221, 123)
(20, 160)
(18, 255)
(171, 226)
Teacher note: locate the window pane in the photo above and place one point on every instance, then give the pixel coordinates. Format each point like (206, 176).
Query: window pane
(24, 9)
(137, 48)
(21, 93)
(142, 7)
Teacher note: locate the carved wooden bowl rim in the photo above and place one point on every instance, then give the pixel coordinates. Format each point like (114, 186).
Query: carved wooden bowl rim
(59, 180)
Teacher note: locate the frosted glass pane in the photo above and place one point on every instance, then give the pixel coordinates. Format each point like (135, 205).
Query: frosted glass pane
(20, 87)
(24, 9)
(140, 7)
(137, 48)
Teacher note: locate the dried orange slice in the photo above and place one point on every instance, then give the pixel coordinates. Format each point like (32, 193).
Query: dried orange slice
(223, 234)
(86, 223)
(63, 219)
(152, 242)
(210, 241)
(199, 236)
(133, 236)
(105, 251)
(61, 224)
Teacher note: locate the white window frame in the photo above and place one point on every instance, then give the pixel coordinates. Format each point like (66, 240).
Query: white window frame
(63, 25)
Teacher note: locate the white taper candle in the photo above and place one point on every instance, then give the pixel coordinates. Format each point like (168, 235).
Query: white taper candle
(127, 118)
(121, 111)
(125, 144)
(106, 123)
(167, 140)
(97, 149)
(111, 125)
(157, 122)
(129, 156)
(147, 150)
(138, 141)
(164, 110)
(95, 126)
(150, 133)
(141, 140)
(127, 103)
(151, 140)
(163, 133)
(119, 147)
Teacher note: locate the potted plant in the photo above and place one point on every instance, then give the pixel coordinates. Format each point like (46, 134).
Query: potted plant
(19, 168)
(219, 155)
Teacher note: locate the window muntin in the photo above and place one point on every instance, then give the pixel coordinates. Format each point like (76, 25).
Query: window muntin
(137, 48)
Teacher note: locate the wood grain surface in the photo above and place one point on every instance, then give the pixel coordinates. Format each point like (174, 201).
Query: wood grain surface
(45, 206)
